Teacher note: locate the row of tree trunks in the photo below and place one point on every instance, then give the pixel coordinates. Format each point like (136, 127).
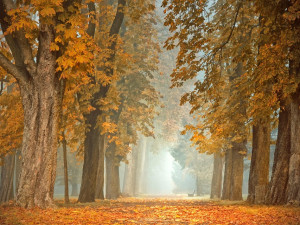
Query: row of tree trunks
(134, 180)
(259, 168)
(6, 179)
(216, 184)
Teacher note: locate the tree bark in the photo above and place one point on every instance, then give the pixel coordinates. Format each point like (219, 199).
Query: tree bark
(216, 184)
(6, 181)
(280, 171)
(39, 148)
(42, 106)
(293, 185)
(227, 175)
(233, 175)
(91, 159)
(112, 173)
(100, 172)
(66, 177)
(259, 168)
(18, 161)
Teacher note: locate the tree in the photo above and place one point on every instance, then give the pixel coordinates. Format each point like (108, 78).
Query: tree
(280, 26)
(249, 64)
(92, 134)
(40, 51)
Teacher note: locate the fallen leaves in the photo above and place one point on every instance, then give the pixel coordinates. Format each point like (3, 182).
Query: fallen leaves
(152, 211)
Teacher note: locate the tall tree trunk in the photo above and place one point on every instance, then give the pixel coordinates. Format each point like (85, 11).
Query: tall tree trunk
(233, 175)
(280, 172)
(42, 99)
(234, 160)
(135, 159)
(128, 176)
(91, 159)
(259, 168)
(227, 174)
(216, 183)
(112, 173)
(139, 170)
(293, 185)
(100, 173)
(6, 180)
(66, 177)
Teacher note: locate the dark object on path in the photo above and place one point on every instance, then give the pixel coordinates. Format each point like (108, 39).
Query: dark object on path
(191, 195)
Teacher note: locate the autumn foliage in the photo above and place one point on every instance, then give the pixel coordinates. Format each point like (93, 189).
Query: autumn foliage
(152, 211)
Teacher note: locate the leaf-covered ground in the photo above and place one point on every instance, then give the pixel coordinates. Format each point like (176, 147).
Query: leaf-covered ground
(152, 211)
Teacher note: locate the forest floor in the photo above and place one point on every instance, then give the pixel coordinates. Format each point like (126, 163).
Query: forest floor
(152, 211)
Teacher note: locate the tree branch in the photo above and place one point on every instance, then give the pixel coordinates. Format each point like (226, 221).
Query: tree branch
(20, 47)
(118, 20)
(92, 13)
(12, 69)
(232, 28)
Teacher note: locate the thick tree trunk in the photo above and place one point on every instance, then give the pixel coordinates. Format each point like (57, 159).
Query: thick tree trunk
(100, 173)
(280, 172)
(293, 185)
(41, 99)
(6, 180)
(91, 159)
(233, 175)
(259, 168)
(66, 177)
(216, 184)
(112, 174)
